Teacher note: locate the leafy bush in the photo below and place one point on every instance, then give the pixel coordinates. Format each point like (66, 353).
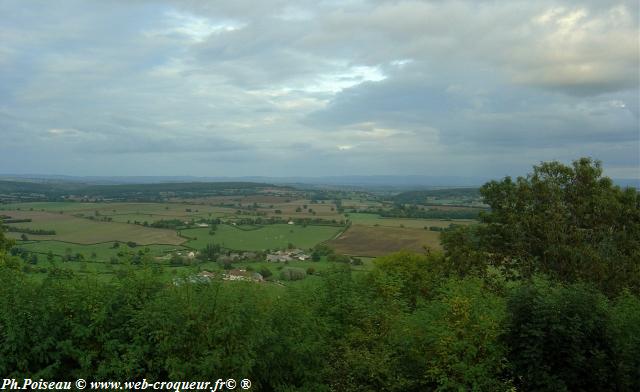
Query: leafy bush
(625, 330)
(292, 274)
(265, 272)
(569, 222)
(453, 341)
(558, 340)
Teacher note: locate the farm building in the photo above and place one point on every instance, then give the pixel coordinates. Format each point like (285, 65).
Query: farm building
(244, 275)
(287, 255)
(207, 274)
(278, 257)
(234, 256)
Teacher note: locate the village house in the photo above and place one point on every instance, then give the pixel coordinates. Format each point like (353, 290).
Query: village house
(249, 255)
(190, 254)
(299, 254)
(278, 257)
(287, 255)
(234, 256)
(207, 274)
(242, 275)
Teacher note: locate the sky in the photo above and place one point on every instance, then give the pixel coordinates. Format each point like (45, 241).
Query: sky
(317, 88)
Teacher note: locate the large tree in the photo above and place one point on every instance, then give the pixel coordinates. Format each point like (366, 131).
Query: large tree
(5, 244)
(567, 221)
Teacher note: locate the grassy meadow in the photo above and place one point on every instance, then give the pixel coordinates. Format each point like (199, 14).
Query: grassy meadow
(85, 231)
(122, 212)
(266, 237)
(103, 252)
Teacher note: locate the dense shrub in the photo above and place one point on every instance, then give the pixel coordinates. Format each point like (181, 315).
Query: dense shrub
(557, 338)
(625, 331)
(292, 274)
(453, 341)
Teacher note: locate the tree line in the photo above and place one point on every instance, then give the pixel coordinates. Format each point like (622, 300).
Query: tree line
(28, 230)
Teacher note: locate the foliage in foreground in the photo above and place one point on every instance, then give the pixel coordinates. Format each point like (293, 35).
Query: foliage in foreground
(348, 333)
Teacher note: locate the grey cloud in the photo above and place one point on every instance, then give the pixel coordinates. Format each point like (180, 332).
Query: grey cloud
(280, 87)
(164, 145)
(508, 116)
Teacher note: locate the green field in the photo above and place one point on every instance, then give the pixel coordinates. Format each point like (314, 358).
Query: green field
(125, 212)
(266, 237)
(84, 231)
(103, 252)
(150, 210)
(150, 218)
(107, 271)
(374, 219)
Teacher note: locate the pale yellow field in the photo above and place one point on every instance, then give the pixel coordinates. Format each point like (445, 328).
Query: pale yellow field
(363, 240)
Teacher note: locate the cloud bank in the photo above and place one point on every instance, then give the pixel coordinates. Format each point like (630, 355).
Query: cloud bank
(282, 88)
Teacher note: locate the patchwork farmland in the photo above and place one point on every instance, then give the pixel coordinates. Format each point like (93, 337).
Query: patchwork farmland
(98, 235)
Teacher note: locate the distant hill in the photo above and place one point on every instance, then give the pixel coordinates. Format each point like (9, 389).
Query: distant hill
(400, 181)
(9, 187)
(174, 189)
(11, 191)
(397, 182)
